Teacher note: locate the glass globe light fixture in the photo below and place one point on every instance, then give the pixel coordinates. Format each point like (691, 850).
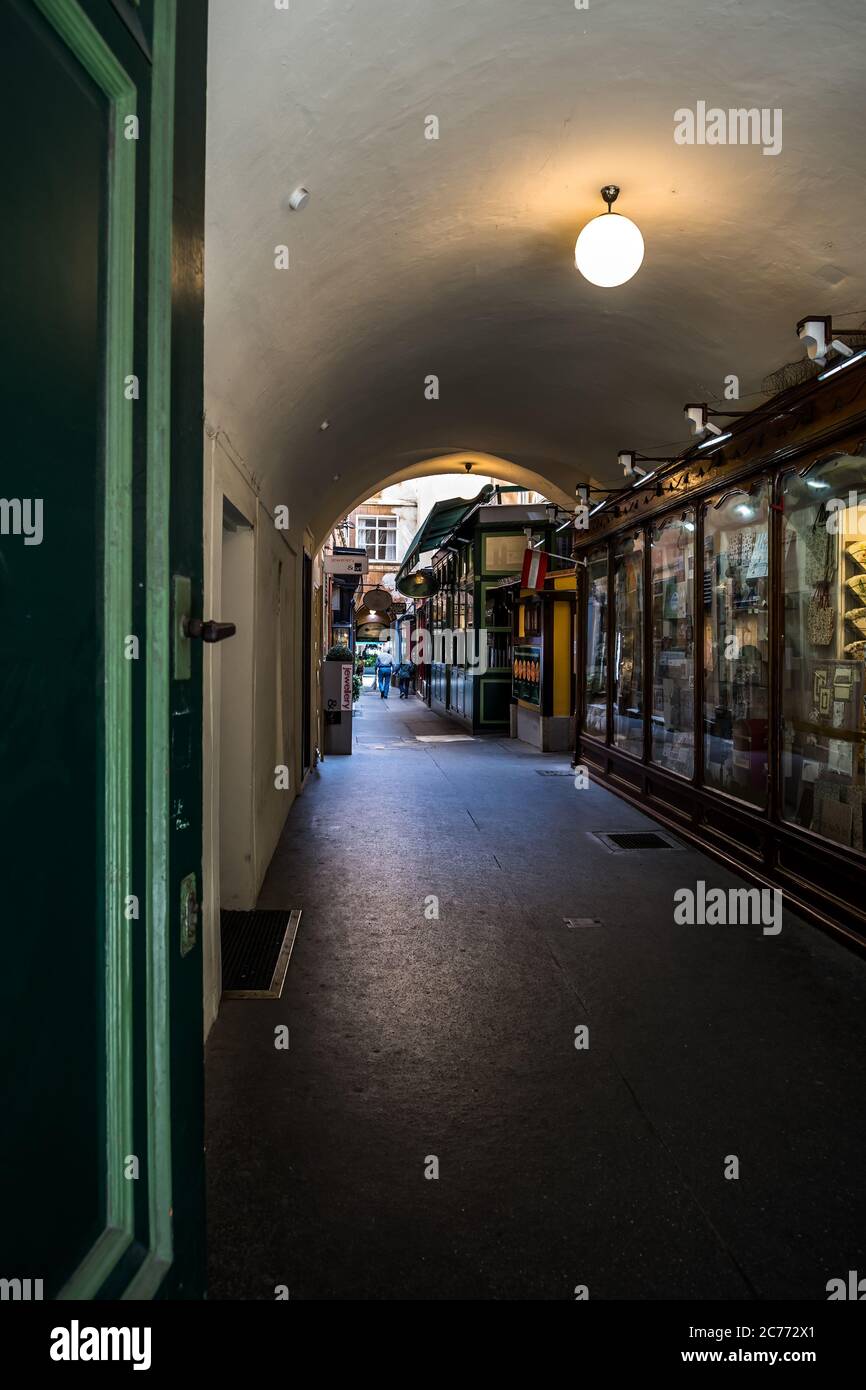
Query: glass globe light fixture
(610, 249)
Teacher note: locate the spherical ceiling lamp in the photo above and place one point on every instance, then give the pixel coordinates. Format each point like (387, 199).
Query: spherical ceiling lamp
(610, 248)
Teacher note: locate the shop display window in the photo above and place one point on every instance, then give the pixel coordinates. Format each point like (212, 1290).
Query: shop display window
(736, 643)
(628, 673)
(672, 718)
(823, 686)
(595, 721)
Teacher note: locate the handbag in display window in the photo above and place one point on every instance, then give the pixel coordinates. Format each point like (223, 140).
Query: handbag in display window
(821, 618)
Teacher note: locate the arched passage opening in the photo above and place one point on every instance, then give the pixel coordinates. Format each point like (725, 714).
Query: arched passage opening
(482, 464)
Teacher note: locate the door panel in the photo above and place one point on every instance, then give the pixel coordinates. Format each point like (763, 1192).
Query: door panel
(88, 1149)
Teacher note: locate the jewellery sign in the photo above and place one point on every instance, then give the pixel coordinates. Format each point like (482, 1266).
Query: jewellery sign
(526, 674)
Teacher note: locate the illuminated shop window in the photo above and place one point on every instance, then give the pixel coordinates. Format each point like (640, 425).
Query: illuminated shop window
(823, 687)
(673, 644)
(628, 673)
(595, 721)
(736, 644)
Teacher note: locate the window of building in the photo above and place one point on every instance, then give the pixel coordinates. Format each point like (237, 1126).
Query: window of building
(628, 673)
(736, 642)
(379, 535)
(596, 643)
(673, 644)
(823, 686)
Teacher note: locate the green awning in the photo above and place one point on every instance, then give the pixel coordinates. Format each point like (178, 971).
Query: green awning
(442, 519)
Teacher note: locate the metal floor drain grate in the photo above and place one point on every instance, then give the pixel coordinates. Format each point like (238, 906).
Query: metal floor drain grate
(256, 949)
(554, 772)
(619, 840)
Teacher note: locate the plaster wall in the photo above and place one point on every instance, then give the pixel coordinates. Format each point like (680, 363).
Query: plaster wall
(263, 731)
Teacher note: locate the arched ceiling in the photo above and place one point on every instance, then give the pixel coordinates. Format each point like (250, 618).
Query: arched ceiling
(454, 257)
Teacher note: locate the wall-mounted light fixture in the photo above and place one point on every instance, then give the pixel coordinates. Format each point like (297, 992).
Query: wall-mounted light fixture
(698, 417)
(610, 248)
(818, 338)
(629, 462)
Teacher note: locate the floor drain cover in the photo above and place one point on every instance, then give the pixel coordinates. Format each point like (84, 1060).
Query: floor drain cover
(554, 772)
(256, 949)
(617, 840)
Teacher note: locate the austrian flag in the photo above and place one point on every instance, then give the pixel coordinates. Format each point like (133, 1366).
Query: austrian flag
(534, 569)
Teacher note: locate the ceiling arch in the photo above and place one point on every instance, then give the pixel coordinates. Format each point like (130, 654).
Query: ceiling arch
(483, 464)
(454, 257)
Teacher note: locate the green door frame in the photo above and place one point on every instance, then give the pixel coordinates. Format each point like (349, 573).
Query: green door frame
(88, 47)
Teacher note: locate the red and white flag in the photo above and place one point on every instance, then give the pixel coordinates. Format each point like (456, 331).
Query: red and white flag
(534, 569)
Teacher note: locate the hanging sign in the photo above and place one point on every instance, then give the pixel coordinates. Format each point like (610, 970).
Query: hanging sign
(346, 686)
(347, 564)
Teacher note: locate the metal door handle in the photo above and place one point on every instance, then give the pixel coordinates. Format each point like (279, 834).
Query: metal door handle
(210, 630)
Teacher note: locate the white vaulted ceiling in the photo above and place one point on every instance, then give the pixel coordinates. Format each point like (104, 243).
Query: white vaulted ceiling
(455, 257)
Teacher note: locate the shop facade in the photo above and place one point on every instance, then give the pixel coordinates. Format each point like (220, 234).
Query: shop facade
(478, 620)
(721, 643)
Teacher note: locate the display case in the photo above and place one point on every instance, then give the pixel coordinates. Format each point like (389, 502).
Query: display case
(672, 580)
(824, 616)
(722, 647)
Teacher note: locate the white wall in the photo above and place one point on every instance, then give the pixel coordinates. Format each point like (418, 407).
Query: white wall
(232, 667)
(271, 654)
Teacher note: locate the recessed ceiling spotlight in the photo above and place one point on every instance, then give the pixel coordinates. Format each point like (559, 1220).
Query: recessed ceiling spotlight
(610, 248)
(325, 425)
(299, 198)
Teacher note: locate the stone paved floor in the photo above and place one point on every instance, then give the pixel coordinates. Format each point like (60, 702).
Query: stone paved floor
(455, 1038)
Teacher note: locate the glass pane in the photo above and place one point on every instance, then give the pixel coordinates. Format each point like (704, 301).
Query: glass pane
(823, 726)
(595, 721)
(673, 634)
(628, 644)
(736, 598)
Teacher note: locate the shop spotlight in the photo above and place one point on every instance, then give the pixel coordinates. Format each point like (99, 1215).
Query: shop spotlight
(610, 249)
(816, 335)
(626, 460)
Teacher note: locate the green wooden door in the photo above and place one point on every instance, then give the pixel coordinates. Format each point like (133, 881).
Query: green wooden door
(99, 744)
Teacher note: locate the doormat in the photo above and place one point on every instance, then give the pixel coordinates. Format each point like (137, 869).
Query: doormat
(256, 950)
(619, 840)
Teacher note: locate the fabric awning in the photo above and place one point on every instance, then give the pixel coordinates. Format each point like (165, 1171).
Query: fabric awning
(442, 519)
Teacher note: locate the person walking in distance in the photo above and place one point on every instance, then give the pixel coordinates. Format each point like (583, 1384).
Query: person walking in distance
(405, 672)
(384, 670)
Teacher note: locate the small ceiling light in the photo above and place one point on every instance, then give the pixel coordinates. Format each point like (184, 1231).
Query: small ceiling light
(840, 366)
(716, 439)
(299, 198)
(745, 510)
(610, 249)
(325, 425)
